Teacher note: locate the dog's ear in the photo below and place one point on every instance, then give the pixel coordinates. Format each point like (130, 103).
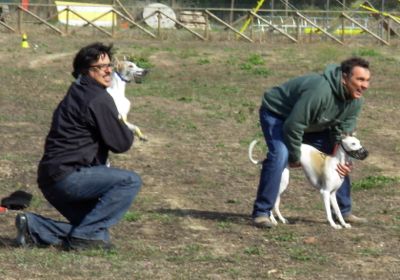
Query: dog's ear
(117, 63)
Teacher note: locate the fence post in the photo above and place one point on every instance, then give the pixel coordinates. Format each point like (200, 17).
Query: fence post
(206, 30)
(251, 28)
(159, 24)
(343, 28)
(388, 30)
(19, 21)
(67, 21)
(298, 28)
(113, 23)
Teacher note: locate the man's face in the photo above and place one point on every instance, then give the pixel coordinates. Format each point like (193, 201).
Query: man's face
(101, 71)
(357, 83)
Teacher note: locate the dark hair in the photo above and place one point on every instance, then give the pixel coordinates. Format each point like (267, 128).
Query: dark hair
(348, 64)
(89, 55)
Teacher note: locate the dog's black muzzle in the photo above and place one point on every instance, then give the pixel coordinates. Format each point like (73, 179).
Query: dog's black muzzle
(139, 79)
(360, 154)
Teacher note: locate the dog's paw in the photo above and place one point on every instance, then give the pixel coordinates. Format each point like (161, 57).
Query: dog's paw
(273, 220)
(346, 225)
(335, 226)
(284, 220)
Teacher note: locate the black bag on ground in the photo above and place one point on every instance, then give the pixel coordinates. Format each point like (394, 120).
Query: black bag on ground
(18, 200)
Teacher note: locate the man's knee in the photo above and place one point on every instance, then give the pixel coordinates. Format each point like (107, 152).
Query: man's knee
(133, 180)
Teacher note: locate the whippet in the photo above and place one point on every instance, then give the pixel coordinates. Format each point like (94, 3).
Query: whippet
(124, 72)
(320, 170)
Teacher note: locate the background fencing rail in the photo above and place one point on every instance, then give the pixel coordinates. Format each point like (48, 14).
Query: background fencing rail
(294, 26)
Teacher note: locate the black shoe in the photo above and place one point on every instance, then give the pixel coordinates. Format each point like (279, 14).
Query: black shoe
(23, 238)
(77, 244)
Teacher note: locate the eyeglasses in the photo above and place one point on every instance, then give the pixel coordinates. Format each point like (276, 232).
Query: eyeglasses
(102, 66)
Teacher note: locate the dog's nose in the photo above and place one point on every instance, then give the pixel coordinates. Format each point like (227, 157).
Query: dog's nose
(360, 154)
(365, 154)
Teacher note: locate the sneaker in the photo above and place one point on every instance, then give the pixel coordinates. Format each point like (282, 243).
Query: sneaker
(353, 219)
(23, 238)
(78, 244)
(263, 222)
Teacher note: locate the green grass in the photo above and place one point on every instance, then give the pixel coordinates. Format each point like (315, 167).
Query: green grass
(192, 217)
(131, 216)
(367, 52)
(372, 182)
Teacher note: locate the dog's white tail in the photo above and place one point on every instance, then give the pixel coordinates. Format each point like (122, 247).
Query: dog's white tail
(251, 147)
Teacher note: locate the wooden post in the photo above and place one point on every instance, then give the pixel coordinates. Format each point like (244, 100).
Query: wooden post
(206, 30)
(298, 28)
(251, 28)
(67, 21)
(159, 24)
(388, 30)
(231, 12)
(112, 24)
(48, 12)
(343, 28)
(20, 21)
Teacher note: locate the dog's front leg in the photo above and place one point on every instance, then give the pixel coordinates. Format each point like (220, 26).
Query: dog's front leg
(338, 214)
(272, 218)
(327, 203)
(137, 131)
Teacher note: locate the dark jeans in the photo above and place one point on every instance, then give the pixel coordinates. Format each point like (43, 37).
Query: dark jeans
(92, 199)
(277, 160)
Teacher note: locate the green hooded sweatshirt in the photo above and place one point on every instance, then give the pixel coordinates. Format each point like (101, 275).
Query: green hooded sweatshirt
(313, 103)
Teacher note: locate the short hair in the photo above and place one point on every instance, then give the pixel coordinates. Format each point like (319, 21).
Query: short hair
(89, 55)
(348, 64)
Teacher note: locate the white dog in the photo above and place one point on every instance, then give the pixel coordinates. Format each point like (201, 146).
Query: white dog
(125, 71)
(320, 169)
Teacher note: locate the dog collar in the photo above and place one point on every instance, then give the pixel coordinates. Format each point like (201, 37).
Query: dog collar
(122, 78)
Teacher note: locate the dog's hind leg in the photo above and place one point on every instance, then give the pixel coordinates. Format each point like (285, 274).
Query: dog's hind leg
(282, 187)
(278, 212)
(336, 209)
(327, 203)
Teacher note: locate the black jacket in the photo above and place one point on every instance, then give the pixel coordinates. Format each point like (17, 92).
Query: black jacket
(84, 128)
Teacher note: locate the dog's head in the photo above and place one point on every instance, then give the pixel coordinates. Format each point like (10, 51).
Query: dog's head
(353, 148)
(129, 71)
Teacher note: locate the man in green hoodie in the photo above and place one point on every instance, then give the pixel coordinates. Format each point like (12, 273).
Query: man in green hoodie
(316, 109)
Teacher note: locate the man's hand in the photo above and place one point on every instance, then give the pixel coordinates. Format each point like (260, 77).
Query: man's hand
(344, 169)
(294, 164)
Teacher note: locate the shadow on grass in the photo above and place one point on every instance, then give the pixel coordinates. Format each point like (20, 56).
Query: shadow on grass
(206, 215)
(7, 242)
(231, 217)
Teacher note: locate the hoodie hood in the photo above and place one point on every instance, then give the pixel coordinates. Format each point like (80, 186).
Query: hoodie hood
(333, 74)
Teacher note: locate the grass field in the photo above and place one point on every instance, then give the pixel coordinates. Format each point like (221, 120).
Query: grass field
(191, 220)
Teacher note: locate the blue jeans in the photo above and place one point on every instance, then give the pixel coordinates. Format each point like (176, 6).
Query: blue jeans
(92, 199)
(277, 160)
